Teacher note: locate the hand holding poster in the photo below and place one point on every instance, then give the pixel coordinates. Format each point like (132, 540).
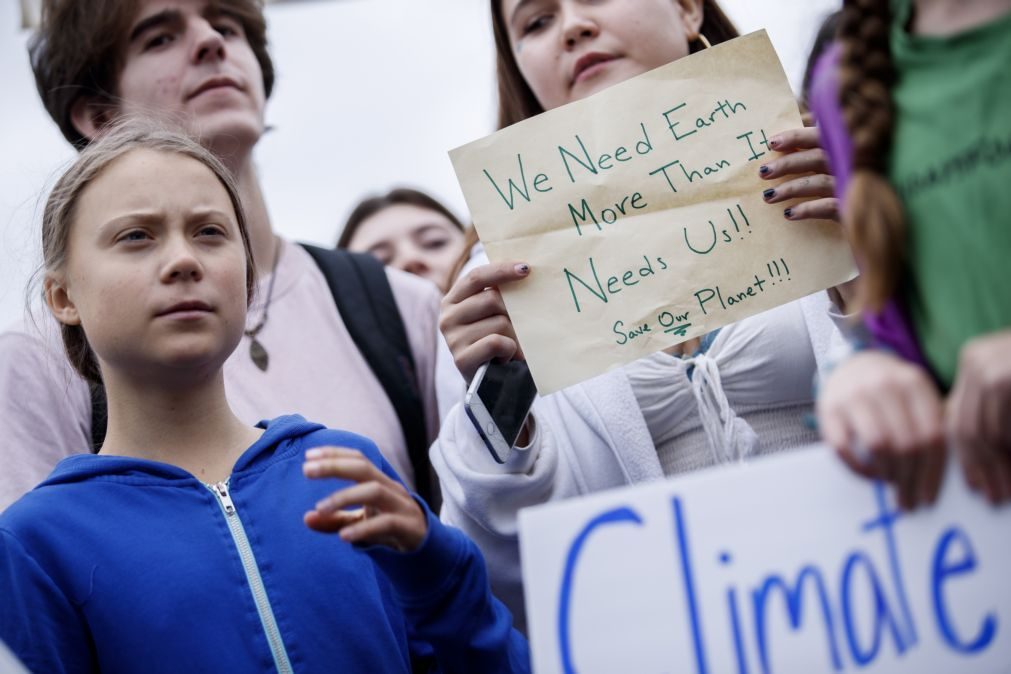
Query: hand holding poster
(790, 564)
(639, 211)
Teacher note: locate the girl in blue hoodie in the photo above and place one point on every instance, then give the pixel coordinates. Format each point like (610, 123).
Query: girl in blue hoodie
(193, 542)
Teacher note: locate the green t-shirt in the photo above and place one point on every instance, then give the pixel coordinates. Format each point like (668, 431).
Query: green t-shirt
(951, 164)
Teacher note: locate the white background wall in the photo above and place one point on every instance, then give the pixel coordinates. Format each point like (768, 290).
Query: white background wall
(369, 93)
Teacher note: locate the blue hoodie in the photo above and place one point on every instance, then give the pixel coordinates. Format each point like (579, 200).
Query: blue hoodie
(123, 565)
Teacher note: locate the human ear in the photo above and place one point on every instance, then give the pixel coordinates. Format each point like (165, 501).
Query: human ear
(59, 302)
(89, 114)
(692, 15)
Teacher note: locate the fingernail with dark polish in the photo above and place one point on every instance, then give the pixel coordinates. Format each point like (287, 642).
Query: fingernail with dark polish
(522, 269)
(769, 193)
(788, 213)
(774, 142)
(763, 169)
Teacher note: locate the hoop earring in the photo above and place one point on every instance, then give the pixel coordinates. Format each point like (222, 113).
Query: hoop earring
(702, 38)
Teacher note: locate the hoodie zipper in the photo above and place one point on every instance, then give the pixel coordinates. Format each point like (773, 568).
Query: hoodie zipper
(273, 634)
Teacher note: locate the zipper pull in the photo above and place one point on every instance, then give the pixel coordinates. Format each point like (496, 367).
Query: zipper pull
(226, 500)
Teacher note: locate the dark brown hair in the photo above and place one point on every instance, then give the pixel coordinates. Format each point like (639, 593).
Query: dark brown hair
(872, 213)
(77, 51)
(824, 39)
(516, 101)
(470, 238)
(368, 207)
(58, 217)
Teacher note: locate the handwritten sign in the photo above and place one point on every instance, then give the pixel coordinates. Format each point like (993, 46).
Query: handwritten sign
(788, 564)
(640, 212)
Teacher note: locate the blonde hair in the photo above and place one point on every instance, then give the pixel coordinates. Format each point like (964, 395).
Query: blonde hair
(872, 212)
(58, 217)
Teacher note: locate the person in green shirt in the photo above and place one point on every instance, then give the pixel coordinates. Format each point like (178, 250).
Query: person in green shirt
(925, 91)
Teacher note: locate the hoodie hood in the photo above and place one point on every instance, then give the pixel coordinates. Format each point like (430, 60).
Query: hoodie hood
(276, 443)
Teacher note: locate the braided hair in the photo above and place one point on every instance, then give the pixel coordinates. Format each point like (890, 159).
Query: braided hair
(872, 213)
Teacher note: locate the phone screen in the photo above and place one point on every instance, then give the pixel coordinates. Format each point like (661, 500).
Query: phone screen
(507, 391)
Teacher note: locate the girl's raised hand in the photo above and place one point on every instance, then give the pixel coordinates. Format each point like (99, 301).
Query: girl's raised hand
(884, 417)
(383, 513)
(979, 414)
(802, 157)
(474, 319)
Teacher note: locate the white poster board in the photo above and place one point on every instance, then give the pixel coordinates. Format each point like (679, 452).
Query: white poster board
(790, 564)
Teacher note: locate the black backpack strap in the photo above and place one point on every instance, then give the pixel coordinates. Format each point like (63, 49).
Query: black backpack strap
(362, 293)
(99, 416)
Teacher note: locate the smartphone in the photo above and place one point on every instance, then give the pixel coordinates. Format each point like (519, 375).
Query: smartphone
(498, 402)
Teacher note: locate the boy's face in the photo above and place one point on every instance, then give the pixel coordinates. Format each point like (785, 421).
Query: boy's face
(189, 66)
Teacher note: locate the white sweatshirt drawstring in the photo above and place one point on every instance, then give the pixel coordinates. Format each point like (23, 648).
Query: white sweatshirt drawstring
(730, 438)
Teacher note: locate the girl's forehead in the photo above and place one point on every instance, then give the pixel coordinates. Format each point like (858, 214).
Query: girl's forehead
(144, 178)
(138, 165)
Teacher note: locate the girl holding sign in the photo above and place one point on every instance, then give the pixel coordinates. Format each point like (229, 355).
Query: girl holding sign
(922, 144)
(172, 548)
(743, 392)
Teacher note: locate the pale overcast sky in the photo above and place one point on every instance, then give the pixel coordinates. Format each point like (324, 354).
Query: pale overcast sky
(370, 93)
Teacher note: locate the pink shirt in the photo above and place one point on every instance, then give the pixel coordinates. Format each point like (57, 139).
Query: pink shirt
(315, 370)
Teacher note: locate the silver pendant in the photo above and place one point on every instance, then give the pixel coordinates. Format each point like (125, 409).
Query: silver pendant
(258, 354)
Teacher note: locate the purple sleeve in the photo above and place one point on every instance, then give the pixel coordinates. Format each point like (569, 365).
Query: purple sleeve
(824, 100)
(891, 327)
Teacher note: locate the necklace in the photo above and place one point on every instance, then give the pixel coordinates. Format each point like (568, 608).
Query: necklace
(256, 351)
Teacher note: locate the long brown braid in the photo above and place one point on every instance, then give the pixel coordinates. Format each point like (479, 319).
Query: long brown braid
(872, 213)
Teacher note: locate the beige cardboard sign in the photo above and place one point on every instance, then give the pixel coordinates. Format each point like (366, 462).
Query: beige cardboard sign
(640, 212)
